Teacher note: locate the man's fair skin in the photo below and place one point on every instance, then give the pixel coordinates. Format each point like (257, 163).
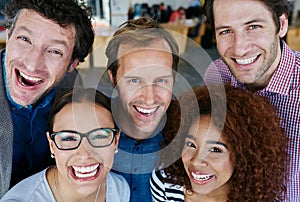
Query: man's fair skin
(247, 40)
(144, 83)
(38, 54)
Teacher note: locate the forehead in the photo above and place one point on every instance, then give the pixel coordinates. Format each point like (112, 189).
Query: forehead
(157, 46)
(202, 129)
(156, 58)
(240, 10)
(36, 22)
(83, 117)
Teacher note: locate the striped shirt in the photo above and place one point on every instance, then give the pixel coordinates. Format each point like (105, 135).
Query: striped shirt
(283, 91)
(161, 191)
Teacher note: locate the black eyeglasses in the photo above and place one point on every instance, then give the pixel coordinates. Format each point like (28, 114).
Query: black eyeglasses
(69, 139)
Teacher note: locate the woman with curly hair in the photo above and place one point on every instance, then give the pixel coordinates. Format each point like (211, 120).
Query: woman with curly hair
(231, 145)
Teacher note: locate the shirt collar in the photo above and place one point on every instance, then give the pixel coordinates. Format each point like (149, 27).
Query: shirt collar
(153, 139)
(280, 80)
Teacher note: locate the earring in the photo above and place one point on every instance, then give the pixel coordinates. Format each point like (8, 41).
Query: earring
(116, 151)
(52, 156)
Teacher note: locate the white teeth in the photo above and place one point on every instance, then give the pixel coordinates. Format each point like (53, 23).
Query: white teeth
(84, 172)
(146, 111)
(30, 78)
(81, 175)
(246, 61)
(201, 177)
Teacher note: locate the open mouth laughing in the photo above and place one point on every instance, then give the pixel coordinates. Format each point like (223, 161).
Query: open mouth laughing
(85, 172)
(26, 80)
(247, 61)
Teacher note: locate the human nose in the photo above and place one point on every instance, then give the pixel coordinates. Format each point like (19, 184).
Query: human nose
(84, 149)
(34, 59)
(200, 158)
(149, 93)
(240, 43)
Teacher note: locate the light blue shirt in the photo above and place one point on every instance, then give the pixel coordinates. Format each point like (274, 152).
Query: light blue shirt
(36, 188)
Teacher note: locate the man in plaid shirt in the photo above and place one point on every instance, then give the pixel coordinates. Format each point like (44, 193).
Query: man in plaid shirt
(253, 56)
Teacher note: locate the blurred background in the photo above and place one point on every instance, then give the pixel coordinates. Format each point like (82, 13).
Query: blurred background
(183, 18)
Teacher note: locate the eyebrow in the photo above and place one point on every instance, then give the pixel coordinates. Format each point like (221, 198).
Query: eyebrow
(209, 141)
(216, 142)
(139, 77)
(246, 23)
(23, 28)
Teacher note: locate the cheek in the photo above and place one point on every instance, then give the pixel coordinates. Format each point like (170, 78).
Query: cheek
(108, 157)
(185, 157)
(61, 159)
(222, 46)
(166, 96)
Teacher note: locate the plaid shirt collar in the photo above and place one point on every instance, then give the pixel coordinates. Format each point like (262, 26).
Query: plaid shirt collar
(281, 80)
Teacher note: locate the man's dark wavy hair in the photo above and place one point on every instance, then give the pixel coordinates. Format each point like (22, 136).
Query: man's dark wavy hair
(276, 7)
(64, 13)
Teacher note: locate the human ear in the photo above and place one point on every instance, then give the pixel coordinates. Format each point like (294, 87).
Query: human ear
(111, 78)
(283, 20)
(73, 65)
(51, 143)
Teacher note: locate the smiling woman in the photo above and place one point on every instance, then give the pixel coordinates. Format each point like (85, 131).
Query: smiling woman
(223, 134)
(83, 139)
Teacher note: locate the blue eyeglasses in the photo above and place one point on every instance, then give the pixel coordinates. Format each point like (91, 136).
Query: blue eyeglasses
(69, 139)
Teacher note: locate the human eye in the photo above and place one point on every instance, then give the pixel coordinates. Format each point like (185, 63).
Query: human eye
(56, 52)
(253, 27)
(190, 144)
(24, 39)
(134, 81)
(68, 137)
(101, 134)
(162, 81)
(215, 150)
(225, 32)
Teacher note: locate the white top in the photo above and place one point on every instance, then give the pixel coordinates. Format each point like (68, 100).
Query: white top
(36, 188)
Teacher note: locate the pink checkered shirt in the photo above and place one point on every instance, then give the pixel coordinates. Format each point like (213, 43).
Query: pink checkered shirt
(284, 93)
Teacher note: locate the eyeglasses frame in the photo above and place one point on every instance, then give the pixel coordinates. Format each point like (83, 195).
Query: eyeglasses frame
(82, 135)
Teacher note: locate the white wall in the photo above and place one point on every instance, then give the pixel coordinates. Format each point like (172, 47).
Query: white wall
(119, 8)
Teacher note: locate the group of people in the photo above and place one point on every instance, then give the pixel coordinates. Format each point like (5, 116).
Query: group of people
(236, 138)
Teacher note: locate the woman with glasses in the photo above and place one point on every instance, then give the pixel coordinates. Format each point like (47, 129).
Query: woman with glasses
(83, 139)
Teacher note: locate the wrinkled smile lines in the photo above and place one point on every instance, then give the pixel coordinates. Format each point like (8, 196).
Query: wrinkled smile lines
(246, 61)
(85, 171)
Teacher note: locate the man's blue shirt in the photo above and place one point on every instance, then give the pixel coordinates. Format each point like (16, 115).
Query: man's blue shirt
(135, 161)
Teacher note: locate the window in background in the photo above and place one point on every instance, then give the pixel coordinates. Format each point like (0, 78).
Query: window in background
(100, 9)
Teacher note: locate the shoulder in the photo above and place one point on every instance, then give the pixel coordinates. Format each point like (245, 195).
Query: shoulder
(217, 72)
(117, 189)
(33, 188)
(162, 191)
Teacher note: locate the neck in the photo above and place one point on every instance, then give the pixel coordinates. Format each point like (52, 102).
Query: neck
(62, 194)
(211, 197)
